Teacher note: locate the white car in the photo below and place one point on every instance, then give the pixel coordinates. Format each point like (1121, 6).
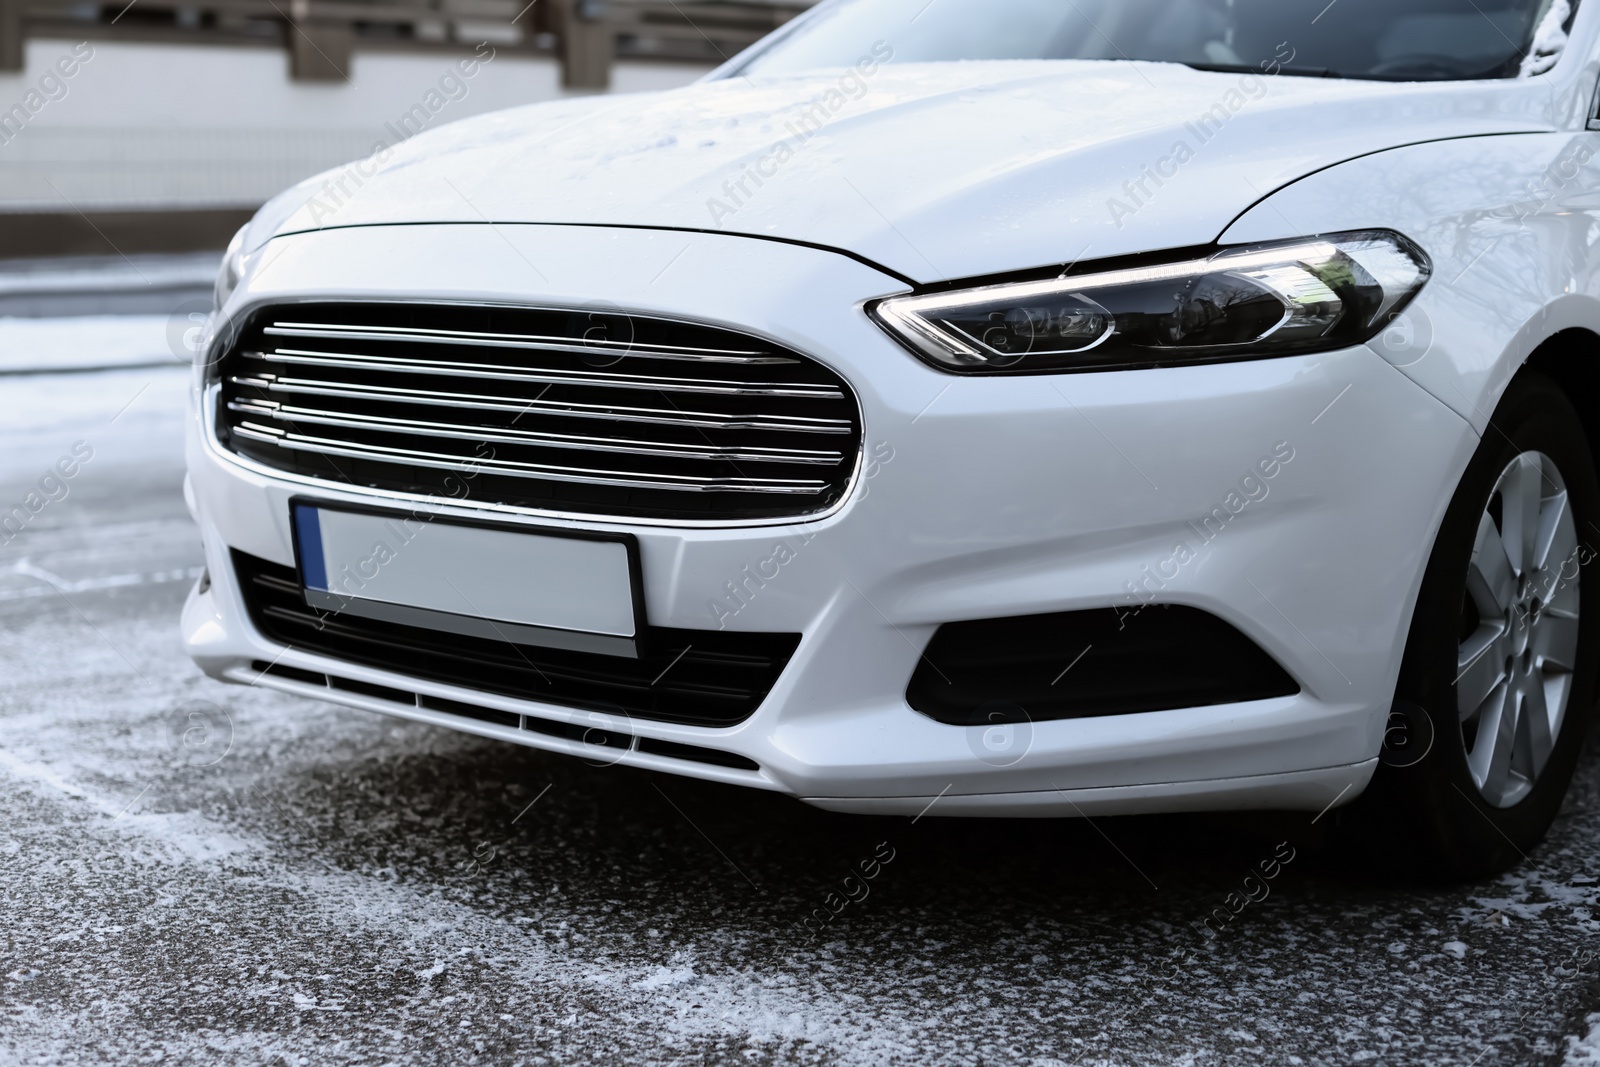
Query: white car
(966, 407)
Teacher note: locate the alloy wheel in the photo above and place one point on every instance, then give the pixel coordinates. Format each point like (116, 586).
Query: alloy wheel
(1519, 629)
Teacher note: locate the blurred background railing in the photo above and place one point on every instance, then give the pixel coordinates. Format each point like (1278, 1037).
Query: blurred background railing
(320, 35)
(158, 125)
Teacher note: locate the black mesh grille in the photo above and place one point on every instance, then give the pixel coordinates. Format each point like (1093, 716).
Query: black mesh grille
(589, 412)
(694, 677)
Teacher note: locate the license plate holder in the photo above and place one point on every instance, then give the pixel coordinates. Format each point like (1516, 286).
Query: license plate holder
(547, 587)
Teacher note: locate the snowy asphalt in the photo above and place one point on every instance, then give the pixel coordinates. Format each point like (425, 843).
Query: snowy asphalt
(200, 873)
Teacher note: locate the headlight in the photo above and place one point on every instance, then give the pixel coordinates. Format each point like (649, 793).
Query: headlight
(232, 271)
(1250, 302)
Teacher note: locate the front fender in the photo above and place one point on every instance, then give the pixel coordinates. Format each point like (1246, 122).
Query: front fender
(1512, 224)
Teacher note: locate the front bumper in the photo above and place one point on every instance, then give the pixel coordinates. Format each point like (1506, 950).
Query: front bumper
(978, 498)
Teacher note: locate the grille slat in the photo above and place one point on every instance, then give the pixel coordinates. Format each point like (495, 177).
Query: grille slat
(469, 465)
(549, 344)
(490, 372)
(691, 419)
(318, 417)
(543, 410)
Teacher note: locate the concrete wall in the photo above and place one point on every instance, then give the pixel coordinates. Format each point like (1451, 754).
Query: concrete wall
(157, 126)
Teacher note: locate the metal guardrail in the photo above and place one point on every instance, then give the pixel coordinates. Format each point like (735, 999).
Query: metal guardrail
(320, 35)
(637, 26)
(104, 167)
(101, 285)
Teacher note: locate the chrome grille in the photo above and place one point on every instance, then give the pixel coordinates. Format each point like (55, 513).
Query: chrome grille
(589, 412)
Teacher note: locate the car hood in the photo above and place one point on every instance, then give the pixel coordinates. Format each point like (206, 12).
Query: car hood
(933, 171)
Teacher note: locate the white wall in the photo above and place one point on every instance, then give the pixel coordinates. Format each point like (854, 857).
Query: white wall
(147, 125)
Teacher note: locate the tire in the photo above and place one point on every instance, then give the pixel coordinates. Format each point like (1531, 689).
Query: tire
(1472, 773)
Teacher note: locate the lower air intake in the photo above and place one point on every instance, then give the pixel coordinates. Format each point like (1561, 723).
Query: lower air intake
(1078, 664)
(692, 677)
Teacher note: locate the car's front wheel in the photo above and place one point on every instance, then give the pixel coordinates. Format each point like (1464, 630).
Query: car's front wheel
(1501, 658)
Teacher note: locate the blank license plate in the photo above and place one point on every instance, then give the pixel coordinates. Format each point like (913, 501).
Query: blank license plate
(494, 583)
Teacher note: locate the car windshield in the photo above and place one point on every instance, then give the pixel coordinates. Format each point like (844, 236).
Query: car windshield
(1403, 40)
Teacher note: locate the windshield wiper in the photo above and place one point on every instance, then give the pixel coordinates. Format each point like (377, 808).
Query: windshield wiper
(1248, 68)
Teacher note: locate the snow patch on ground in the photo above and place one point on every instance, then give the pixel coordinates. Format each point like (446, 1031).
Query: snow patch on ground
(682, 973)
(1585, 1051)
